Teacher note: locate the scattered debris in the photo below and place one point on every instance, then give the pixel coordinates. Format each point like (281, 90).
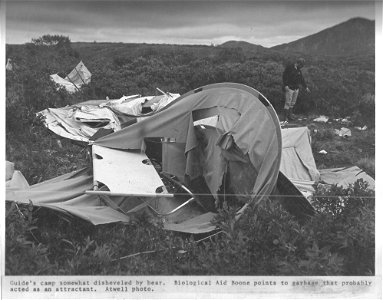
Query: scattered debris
(361, 128)
(343, 132)
(9, 65)
(346, 121)
(323, 152)
(321, 118)
(59, 143)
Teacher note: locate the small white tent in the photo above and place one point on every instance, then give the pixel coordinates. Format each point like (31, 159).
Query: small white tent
(297, 162)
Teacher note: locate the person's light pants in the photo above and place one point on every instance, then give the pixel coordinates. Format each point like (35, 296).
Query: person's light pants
(290, 98)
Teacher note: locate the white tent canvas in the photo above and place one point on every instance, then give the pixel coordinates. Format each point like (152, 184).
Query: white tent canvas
(70, 87)
(345, 176)
(78, 77)
(297, 162)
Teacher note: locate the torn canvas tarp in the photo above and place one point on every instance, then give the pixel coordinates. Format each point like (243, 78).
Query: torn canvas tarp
(134, 106)
(237, 156)
(78, 77)
(81, 121)
(345, 176)
(66, 194)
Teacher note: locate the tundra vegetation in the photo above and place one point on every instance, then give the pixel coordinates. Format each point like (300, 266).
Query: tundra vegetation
(267, 240)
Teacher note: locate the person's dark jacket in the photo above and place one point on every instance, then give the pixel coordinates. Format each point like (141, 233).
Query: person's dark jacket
(293, 78)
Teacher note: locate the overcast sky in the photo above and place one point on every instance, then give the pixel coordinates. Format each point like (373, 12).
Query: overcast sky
(267, 23)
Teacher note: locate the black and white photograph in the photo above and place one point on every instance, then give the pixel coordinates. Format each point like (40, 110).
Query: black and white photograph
(190, 149)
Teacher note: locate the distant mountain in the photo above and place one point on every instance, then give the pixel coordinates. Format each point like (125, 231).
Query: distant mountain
(353, 37)
(245, 46)
(252, 50)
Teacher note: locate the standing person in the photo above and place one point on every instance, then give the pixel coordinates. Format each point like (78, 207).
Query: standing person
(292, 80)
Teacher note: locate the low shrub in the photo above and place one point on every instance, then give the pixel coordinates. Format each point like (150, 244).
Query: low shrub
(338, 240)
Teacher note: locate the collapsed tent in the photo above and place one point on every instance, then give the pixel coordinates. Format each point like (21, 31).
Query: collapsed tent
(221, 142)
(78, 77)
(218, 143)
(81, 121)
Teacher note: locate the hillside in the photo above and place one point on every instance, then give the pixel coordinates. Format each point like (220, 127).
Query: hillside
(353, 37)
(247, 48)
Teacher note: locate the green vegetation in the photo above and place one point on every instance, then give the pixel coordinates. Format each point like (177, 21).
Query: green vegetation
(266, 241)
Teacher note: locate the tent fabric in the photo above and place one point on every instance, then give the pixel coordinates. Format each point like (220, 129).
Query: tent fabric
(247, 127)
(297, 162)
(9, 169)
(67, 85)
(87, 113)
(159, 102)
(79, 76)
(81, 121)
(66, 193)
(134, 106)
(345, 176)
(63, 122)
(17, 181)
